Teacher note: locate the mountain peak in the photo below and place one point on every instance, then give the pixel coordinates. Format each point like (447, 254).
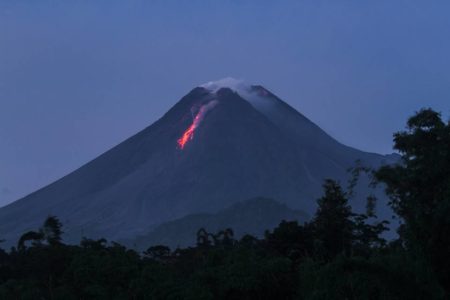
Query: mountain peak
(239, 86)
(227, 82)
(259, 97)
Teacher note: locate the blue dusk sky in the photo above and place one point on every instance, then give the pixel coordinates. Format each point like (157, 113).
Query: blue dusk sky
(78, 77)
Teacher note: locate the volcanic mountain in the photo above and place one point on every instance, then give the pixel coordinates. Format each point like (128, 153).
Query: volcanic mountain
(222, 143)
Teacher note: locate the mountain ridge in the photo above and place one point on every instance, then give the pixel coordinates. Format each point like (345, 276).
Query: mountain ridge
(265, 215)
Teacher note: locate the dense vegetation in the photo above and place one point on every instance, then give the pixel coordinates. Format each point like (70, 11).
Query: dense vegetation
(336, 255)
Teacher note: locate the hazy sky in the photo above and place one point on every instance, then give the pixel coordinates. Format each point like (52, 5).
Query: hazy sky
(78, 77)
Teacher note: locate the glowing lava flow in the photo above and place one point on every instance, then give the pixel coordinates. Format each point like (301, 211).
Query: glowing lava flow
(189, 133)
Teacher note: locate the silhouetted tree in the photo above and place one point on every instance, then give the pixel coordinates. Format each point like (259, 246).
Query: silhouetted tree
(35, 237)
(158, 252)
(52, 231)
(203, 238)
(332, 223)
(291, 240)
(367, 235)
(248, 241)
(224, 237)
(99, 244)
(419, 189)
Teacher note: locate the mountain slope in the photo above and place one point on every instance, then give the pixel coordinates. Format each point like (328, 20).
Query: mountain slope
(253, 217)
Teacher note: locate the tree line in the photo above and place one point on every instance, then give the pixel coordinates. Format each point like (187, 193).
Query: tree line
(338, 254)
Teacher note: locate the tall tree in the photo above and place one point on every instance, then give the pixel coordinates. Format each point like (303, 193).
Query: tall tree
(52, 230)
(333, 223)
(203, 238)
(419, 189)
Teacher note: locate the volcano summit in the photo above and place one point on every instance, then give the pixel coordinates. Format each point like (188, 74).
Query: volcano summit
(222, 143)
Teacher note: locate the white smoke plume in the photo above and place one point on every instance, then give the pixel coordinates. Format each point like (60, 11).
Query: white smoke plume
(260, 102)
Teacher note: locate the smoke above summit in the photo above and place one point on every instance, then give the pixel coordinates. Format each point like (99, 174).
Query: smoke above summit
(227, 82)
(260, 98)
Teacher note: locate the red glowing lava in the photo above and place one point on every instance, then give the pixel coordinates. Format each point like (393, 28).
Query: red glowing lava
(187, 136)
(189, 133)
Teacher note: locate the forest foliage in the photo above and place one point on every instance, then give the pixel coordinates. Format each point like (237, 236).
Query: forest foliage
(338, 254)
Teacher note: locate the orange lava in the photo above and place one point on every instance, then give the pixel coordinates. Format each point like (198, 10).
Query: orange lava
(187, 136)
(189, 133)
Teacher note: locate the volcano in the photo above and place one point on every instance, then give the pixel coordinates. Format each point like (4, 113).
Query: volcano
(222, 143)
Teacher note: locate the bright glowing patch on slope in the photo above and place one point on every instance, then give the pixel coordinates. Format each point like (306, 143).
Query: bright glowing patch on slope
(189, 133)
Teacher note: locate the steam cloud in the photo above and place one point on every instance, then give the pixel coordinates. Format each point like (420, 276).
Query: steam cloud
(258, 99)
